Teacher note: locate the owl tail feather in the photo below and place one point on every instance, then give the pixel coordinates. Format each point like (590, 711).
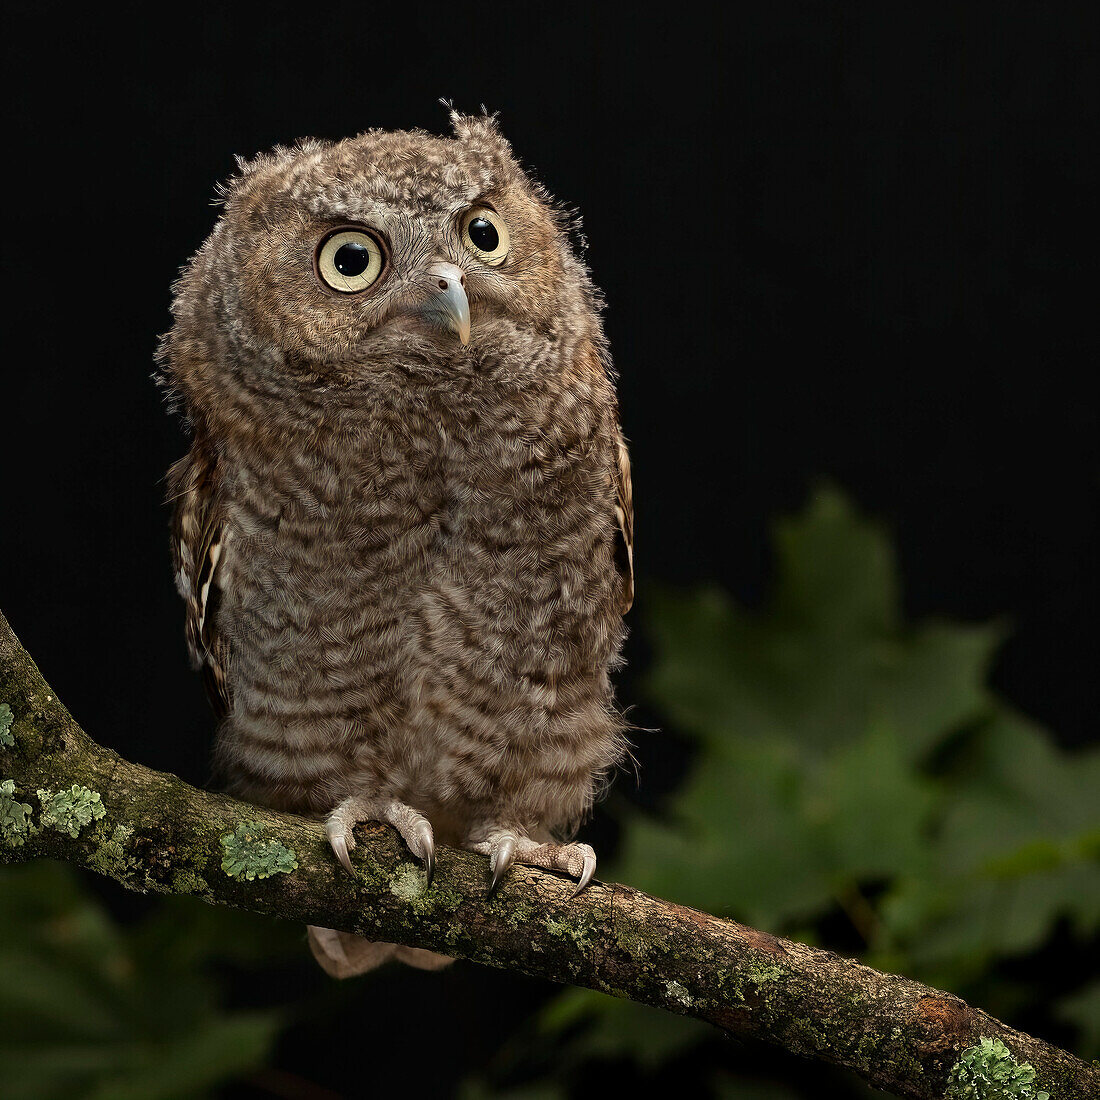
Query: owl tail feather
(342, 955)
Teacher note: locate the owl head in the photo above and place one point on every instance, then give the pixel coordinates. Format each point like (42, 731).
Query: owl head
(333, 260)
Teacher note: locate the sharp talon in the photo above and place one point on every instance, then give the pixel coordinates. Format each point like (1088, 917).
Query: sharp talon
(340, 847)
(427, 844)
(587, 872)
(503, 856)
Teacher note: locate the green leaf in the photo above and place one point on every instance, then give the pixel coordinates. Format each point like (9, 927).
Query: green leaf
(836, 572)
(90, 1008)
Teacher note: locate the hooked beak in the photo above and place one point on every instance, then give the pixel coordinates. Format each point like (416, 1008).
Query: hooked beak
(447, 304)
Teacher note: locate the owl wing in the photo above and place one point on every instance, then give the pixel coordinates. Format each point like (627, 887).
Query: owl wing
(624, 513)
(200, 536)
(590, 361)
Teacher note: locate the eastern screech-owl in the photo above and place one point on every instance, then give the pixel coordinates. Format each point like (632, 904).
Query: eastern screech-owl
(403, 530)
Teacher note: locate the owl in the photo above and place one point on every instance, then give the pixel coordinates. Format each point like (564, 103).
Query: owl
(403, 531)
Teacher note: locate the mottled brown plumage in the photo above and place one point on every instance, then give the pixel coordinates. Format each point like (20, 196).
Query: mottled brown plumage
(404, 557)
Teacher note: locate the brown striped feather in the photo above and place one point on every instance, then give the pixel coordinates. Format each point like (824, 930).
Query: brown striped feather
(199, 540)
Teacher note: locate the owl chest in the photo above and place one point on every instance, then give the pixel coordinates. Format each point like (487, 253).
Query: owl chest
(507, 524)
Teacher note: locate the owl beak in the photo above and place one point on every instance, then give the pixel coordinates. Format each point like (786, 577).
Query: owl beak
(448, 305)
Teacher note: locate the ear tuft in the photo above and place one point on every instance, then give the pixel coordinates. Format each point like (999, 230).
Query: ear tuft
(481, 129)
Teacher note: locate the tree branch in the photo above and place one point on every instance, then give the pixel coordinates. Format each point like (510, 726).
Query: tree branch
(73, 800)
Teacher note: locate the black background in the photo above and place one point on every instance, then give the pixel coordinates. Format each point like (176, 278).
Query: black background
(841, 240)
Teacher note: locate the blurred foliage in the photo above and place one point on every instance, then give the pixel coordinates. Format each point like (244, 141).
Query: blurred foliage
(853, 783)
(93, 1010)
(856, 785)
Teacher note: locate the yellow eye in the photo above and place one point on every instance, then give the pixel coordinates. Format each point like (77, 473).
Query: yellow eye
(350, 260)
(485, 235)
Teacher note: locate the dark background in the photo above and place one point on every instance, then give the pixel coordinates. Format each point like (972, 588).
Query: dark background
(837, 240)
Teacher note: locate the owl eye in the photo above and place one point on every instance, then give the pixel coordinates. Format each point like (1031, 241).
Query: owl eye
(350, 260)
(485, 235)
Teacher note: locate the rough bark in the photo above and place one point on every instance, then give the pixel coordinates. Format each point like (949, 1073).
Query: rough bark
(152, 831)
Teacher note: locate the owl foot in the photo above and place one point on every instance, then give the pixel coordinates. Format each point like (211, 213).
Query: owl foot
(414, 827)
(504, 848)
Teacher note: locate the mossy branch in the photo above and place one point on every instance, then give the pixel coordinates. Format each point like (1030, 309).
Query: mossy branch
(62, 796)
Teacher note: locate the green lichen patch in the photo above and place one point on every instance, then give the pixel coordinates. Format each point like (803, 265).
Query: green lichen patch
(580, 933)
(989, 1071)
(189, 871)
(762, 974)
(679, 994)
(514, 914)
(6, 719)
(752, 981)
(410, 885)
(634, 941)
(110, 856)
(71, 810)
(249, 854)
(15, 817)
(187, 882)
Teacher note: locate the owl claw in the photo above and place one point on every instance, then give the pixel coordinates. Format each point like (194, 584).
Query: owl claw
(502, 858)
(340, 847)
(427, 842)
(505, 848)
(587, 872)
(414, 827)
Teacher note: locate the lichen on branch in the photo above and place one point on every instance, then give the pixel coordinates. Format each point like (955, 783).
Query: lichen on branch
(15, 816)
(988, 1071)
(7, 741)
(70, 810)
(250, 854)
